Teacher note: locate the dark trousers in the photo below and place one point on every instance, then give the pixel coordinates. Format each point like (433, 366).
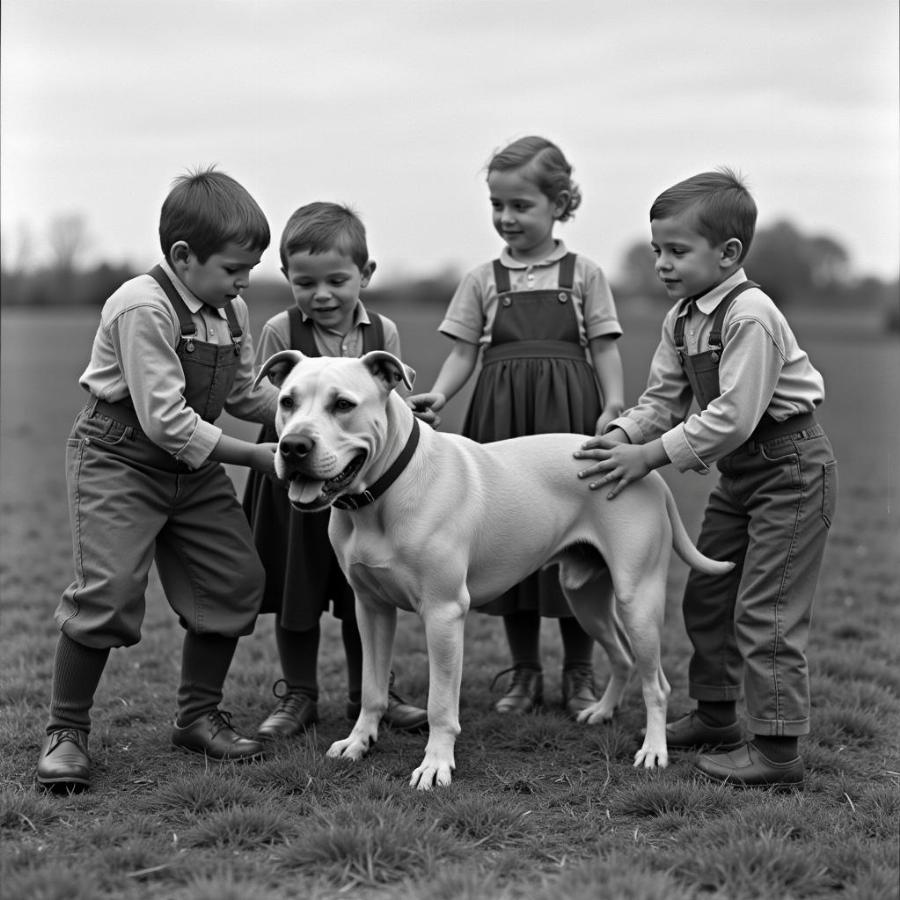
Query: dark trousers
(770, 512)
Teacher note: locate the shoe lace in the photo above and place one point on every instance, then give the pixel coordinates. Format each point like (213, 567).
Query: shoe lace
(520, 675)
(581, 677)
(69, 734)
(289, 700)
(220, 719)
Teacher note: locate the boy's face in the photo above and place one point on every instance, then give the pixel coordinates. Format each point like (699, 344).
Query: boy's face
(326, 286)
(686, 263)
(221, 278)
(523, 215)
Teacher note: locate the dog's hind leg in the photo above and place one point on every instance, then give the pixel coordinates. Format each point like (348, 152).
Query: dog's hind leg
(587, 584)
(642, 607)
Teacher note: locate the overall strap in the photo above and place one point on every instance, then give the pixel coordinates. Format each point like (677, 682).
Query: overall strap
(302, 337)
(501, 277)
(567, 271)
(188, 328)
(715, 334)
(373, 335)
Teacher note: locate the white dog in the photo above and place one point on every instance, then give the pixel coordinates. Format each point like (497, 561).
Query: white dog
(437, 523)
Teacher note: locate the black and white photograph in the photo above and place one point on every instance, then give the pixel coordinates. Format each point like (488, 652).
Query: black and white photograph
(449, 450)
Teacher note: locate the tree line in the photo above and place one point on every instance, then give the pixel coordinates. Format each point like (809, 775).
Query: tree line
(795, 268)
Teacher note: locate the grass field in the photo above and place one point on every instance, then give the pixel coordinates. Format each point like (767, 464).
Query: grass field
(540, 808)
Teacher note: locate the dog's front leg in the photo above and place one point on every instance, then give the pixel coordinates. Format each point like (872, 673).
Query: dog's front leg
(377, 624)
(444, 634)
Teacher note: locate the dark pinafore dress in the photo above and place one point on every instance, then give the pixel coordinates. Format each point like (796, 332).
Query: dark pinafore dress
(535, 379)
(302, 572)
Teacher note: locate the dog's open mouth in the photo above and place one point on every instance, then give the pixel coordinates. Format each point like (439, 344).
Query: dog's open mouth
(311, 494)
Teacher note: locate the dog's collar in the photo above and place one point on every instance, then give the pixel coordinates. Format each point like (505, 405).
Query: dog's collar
(355, 501)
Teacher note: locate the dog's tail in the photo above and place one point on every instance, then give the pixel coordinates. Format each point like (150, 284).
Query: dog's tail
(685, 547)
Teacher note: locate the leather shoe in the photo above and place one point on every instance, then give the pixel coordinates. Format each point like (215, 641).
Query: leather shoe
(690, 732)
(748, 767)
(64, 764)
(213, 736)
(578, 690)
(400, 715)
(294, 713)
(525, 694)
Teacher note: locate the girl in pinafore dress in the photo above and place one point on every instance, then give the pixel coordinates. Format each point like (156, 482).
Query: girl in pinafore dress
(547, 321)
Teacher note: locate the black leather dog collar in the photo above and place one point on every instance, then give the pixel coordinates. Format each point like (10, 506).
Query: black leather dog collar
(355, 501)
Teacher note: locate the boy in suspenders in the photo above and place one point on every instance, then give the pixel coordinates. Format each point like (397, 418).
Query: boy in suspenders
(146, 481)
(325, 258)
(727, 346)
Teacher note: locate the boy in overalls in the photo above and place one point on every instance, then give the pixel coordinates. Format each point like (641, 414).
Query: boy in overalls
(146, 481)
(727, 346)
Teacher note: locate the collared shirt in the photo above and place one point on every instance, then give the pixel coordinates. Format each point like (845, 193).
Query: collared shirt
(470, 315)
(134, 357)
(762, 370)
(276, 335)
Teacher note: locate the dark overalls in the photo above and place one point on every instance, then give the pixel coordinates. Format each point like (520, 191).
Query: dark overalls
(535, 379)
(769, 512)
(132, 502)
(302, 572)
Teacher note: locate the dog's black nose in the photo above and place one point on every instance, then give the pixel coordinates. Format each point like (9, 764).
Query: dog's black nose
(294, 446)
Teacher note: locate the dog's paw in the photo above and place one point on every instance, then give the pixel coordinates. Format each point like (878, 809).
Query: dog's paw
(597, 714)
(651, 758)
(431, 774)
(352, 747)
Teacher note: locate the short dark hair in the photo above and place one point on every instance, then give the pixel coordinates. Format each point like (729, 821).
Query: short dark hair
(319, 227)
(546, 165)
(720, 202)
(209, 209)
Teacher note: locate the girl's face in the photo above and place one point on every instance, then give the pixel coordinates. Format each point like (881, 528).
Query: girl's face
(523, 215)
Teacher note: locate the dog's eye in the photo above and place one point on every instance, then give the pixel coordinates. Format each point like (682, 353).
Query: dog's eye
(286, 402)
(343, 405)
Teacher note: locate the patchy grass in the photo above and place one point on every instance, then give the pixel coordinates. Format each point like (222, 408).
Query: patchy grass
(540, 807)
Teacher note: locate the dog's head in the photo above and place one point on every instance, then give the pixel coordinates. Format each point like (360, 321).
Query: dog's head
(332, 420)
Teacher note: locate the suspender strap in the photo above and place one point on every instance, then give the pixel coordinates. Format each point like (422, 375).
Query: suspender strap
(303, 338)
(501, 277)
(715, 334)
(566, 274)
(567, 271)
(373, 334)
(188, 328)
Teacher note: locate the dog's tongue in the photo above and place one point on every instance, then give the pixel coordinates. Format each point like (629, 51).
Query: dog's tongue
(304, 491)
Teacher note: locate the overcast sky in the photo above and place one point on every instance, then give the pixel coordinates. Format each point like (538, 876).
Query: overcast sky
(395, 106)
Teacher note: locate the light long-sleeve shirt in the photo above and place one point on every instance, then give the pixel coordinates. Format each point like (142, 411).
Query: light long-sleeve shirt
(134, 357)
(762, 370)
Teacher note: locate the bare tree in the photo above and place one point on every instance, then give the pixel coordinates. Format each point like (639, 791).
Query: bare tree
(68, 239)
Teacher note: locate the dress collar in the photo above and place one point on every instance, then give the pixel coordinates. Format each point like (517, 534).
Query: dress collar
(554, 256)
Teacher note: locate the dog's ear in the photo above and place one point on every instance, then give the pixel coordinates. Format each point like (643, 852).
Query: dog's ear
(386, 368)
(278, 366)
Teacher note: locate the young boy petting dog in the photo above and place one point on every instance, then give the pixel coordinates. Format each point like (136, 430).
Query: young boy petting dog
(145, 480)
(325, 259)
(726, 345)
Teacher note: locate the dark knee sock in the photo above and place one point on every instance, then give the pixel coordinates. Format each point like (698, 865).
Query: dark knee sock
(523, 632)
(76, 674)
(205, 659)
(717, 713)
(353, 652)
(778, 749)
(299, 655)
(578, 645)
